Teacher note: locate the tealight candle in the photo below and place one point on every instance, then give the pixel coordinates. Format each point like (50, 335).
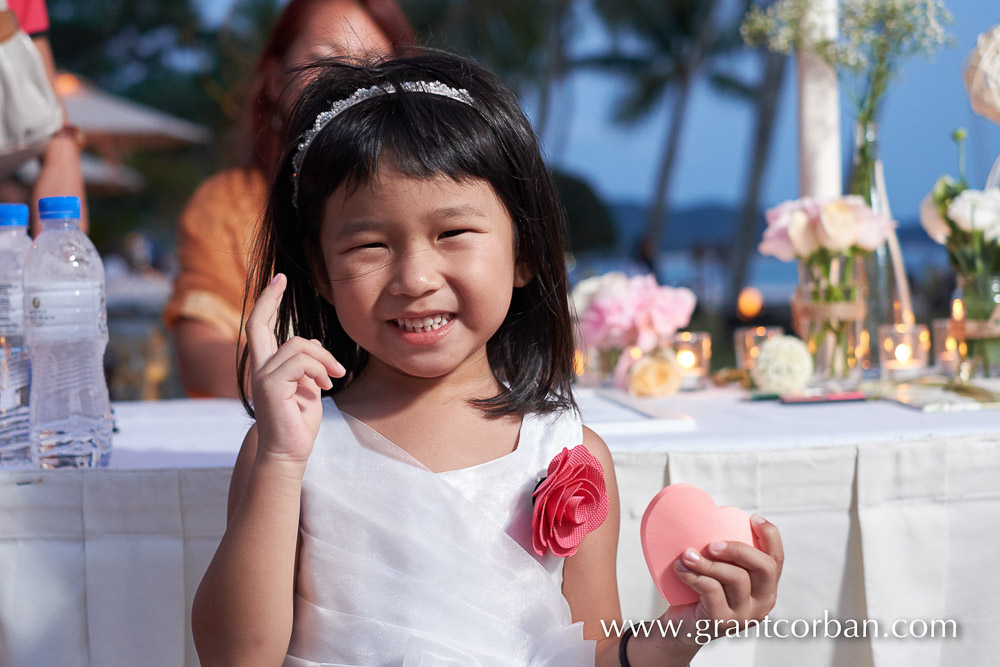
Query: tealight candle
(903, 350)
(747, 341)
(946, 347)
(694, 356)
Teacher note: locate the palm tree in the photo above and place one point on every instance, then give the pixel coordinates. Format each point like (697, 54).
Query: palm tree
(508, 36)
(764, 97)
(523, 41)
(677, 39)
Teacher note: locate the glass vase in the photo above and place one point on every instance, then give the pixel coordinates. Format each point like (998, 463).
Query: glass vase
(881, 303)
(607, 362)
(828, 311)
(975, 320)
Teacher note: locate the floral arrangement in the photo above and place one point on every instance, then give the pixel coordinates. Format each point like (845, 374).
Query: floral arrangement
(783, 366)
(967, 223)
(618, 313)
(813, 231)
(568, 503)
(827, 237)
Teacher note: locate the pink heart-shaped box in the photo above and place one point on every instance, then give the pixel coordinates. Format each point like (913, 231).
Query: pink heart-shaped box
(683, 516)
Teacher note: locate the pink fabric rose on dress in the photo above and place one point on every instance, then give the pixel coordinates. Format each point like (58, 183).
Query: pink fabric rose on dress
(571, 501)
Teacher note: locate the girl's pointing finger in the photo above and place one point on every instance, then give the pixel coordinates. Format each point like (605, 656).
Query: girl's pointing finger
(260, 322)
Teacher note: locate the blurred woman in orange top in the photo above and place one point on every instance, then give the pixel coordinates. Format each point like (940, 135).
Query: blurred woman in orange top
(218, 225)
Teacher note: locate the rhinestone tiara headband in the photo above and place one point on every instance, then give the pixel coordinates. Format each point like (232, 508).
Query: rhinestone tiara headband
(358, 96)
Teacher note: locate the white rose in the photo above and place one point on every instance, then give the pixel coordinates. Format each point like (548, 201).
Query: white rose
(993, 234)
(783, 366)
(935, 226)
(977, 210)
(837, 230)
(800, 232)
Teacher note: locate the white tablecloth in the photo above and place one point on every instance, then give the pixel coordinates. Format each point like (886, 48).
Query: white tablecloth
(886, 513)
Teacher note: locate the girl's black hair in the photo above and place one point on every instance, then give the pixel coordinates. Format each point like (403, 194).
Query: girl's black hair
(423, 135)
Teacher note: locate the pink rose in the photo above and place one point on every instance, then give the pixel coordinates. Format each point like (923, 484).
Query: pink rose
(930, 218)
(664, 310)
(791, 230)
(837, 230)
(608, 321)
(571, 501)
(872, 229)
(634, 311)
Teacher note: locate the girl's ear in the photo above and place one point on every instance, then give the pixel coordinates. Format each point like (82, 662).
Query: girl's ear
(318, 267)
(523, 274)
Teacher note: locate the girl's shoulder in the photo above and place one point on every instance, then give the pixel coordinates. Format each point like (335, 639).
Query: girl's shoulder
(546, 434)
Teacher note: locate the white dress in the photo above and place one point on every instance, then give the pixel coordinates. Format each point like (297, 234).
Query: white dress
(403, 567)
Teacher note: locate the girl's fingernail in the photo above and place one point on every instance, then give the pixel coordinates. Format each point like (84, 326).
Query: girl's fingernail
(692, 556)
(680, 566)
(717, 547)
(758, 519)
(274, 279)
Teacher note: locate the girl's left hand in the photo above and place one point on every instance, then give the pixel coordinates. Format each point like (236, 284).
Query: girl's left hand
(736, 582)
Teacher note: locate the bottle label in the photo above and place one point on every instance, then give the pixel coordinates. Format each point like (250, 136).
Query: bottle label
(14, 380)
(11, 309)
(66, 305)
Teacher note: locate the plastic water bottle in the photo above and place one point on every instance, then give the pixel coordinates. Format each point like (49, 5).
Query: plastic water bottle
(66, 324)
(15, 378)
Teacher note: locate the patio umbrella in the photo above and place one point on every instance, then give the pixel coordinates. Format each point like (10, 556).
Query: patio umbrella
(115, 126)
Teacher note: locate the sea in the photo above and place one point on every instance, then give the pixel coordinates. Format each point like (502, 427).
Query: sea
(697, 247)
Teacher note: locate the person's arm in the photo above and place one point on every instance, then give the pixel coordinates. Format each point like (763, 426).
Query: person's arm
(242, 612)
(61, 175)
(590, 583)
(206, 359)
(205, 308)
(740, 586)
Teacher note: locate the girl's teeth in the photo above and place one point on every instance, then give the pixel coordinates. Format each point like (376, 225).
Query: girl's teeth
(425, 324)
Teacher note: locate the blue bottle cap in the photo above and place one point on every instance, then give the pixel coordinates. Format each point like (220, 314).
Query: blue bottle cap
(58, 208)
(13, 215)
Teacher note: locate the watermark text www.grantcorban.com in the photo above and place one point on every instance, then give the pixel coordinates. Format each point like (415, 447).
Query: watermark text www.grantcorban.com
(783, 628)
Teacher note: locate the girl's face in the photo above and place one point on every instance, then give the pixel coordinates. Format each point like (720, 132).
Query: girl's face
(421, 271)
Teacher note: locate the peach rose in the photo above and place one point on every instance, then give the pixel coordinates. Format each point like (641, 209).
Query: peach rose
(655, 375)
(571, 501)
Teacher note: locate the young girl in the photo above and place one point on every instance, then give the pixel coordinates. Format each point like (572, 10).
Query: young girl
(415, 244)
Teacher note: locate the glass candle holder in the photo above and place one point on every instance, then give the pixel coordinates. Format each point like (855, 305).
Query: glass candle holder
(747, 341)
(903, 350)
(946, 347)
(694, 355)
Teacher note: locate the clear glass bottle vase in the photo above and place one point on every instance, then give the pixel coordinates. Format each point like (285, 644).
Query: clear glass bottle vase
(828, 311)
(882, 302)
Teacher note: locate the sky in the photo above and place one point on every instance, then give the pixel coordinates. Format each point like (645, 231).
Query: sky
(923, 106)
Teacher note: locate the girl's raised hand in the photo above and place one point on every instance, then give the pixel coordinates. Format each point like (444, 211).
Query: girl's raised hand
(737, 584)
(286, 381)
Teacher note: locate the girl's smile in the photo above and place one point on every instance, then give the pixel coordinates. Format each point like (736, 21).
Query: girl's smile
(426, 329)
